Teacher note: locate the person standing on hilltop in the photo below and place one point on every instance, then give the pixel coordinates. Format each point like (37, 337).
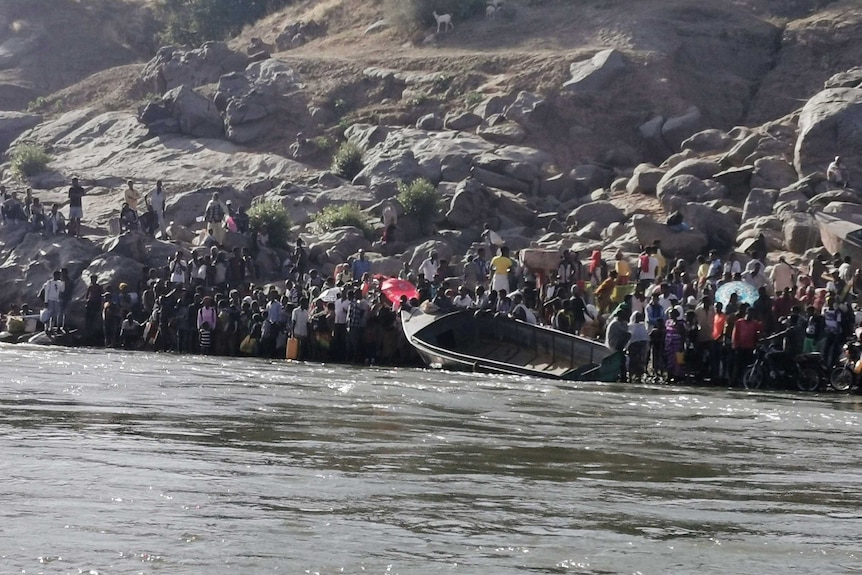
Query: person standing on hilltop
(157, 199)
(76, 209)
(131, 196)
(214, 215)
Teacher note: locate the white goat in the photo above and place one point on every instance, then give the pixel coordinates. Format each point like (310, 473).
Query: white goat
(490, 11)
(444, 20)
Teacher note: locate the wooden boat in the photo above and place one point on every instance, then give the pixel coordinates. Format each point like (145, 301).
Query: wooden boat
(487, 343)
(840, 236)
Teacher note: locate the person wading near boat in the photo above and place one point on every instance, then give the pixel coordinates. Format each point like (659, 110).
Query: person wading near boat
(501, 265)
(617, 337)
(52, 292)
(746, 333)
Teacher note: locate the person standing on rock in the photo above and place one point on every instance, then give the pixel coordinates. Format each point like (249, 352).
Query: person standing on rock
(214, 218)
(52, 292)
(157, 201)
(76, 209)
(131, 196)
(836, 173)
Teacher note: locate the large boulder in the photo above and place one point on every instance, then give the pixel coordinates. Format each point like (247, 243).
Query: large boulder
(759, 203)
(335, 246)
(687, 245)
(469, 205)
(595, 74)
(677, 191)
(830, 124)
(173, 67)
(801, 233)
(359, 195)
(697, 167)
(644, 180)
(527, 108)
(514, 208)
(423, 250)
(677, 129)
(197, 116)
(130, 245)
(602, 212)
(772, 172)
(593, 177)
(253, 101)
(461, 120)
(711, 140)
(720, 229)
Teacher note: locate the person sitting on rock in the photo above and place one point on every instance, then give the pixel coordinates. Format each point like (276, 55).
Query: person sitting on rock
(837, 174)
(676, 223)
(55, 222)
(13, 209)
(128, 218)
(241, 220)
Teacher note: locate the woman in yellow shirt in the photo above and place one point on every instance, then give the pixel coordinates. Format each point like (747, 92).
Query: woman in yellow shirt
(623, 268)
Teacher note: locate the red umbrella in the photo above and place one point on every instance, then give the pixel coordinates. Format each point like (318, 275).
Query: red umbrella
(394, 288)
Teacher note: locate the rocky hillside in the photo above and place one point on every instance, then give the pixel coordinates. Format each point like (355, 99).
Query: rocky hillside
(560, 123)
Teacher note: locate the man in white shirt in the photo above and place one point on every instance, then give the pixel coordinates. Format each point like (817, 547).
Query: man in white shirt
(782, 276)
(463, 299)
(157, 201)
(53, 290)
(429, 267)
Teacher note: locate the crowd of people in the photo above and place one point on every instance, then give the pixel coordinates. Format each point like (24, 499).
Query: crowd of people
(671, 318)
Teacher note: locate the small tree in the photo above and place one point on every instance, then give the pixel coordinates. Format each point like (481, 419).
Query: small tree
(347, 161)
(332, 217)
(28, 160)
(420, 201)
(270, 218)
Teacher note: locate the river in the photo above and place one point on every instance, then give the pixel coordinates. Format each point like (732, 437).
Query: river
(156, 463)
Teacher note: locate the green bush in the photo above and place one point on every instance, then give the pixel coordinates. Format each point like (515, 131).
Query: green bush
(29, 160)
(272, 219)
(420, 200)
(193, 22)
(332, 217)
(347, 161)
(409, 15)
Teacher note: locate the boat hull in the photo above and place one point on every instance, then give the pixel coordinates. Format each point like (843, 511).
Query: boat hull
(486, 343)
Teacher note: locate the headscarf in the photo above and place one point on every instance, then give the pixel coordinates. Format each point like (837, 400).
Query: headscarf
(595, 260)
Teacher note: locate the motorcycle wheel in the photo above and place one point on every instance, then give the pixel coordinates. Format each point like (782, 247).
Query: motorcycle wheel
(753, 377)
(841, 379)
(809, 379)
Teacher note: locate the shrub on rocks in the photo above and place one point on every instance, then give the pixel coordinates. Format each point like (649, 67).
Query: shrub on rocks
(270, 218)
(29, 160)
(347, 161)
(332, 217)
(420, 200)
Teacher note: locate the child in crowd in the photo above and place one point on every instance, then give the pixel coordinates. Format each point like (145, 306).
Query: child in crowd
(205, 338)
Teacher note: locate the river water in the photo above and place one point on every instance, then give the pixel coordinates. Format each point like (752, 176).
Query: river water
(152, 463)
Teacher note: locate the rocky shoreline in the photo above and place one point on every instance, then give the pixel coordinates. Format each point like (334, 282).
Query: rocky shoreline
(729, 186)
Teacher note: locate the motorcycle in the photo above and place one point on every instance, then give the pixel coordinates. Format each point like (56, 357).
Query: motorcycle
(774, 367)
(846, 375)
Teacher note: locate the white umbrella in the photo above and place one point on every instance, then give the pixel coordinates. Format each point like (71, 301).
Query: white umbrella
(330, 294)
